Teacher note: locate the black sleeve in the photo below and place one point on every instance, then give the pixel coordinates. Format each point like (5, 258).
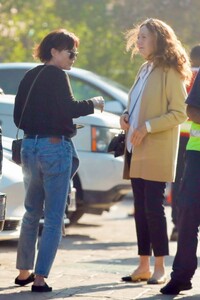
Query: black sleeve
(51, 101)
(19, 102)
(194, 95)
(66, 100)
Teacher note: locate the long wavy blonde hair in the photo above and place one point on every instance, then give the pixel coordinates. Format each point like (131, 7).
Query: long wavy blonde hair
(168, 52)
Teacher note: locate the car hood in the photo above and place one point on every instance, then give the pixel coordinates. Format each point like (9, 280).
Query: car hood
(99, 119)
(12, 173)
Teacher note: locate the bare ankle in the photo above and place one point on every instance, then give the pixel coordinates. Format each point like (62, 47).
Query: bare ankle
(24, 274)
(39, 280)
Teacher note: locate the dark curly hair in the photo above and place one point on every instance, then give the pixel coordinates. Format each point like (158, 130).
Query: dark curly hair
(59, 39)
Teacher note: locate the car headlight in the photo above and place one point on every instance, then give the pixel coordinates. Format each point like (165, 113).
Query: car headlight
(101, 137)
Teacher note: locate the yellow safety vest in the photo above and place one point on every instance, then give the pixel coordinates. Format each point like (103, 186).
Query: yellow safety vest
(194, 140)
(185, 128)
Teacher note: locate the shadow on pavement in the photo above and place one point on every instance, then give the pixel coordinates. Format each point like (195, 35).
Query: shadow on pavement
(168, 297)
(84, 225)
(131, 262)
(69, 292)
(9, 245)
(89, 244)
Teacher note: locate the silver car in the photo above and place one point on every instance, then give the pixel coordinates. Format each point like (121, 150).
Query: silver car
(99, 182)
(85, 84)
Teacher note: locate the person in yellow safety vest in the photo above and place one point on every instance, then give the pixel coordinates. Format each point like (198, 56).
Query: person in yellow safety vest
(185, 261)
(185, 128)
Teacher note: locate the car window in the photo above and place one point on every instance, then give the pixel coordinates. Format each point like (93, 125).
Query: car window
(83, 90)
(116, 84)
(10, 80)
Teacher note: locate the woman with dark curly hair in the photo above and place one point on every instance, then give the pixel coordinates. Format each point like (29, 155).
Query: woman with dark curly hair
(49, 158)
(155, 109)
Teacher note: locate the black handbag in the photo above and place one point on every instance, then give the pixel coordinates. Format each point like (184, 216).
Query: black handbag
(17, 144)
(16, 151)
(117, 145)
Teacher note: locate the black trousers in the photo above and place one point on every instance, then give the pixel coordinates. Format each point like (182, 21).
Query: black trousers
(185, 261)
(179, 175)
(150, 217)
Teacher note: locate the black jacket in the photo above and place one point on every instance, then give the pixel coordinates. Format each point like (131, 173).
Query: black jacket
(51, 106)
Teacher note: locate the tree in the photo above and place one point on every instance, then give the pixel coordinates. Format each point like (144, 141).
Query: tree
(100, 25)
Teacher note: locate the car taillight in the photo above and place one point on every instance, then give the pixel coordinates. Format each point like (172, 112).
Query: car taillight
(101, 137)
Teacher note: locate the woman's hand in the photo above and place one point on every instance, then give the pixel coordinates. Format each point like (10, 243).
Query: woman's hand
(124, 122)
(138, 135)
(98, 102)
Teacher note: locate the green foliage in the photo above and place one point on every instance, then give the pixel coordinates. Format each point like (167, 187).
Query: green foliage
(100, 25)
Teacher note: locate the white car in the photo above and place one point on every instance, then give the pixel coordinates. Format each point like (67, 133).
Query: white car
(98, 182)
(2, 195)
(11, 183)
(85, 85)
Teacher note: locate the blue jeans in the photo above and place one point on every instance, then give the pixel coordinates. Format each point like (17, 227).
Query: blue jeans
(48, 164)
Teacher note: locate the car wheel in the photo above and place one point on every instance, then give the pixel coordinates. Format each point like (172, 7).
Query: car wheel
(74, 216)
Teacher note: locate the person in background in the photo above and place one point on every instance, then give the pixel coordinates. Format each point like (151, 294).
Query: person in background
(195, 64)
(185, 261)
(195, 56)
(155, 109)
(48, 155)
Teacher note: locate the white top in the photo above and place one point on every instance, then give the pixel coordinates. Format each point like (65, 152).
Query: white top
(134, 107)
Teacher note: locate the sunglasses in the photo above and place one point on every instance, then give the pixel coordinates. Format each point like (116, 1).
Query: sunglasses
(72, 54)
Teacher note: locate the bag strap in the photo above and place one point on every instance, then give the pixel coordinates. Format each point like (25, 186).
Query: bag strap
(27, 98)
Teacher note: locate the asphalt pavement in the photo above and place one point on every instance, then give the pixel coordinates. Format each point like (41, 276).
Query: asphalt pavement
(92, 258)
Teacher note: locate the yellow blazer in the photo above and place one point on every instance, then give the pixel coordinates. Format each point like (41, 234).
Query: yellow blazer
(163, 105)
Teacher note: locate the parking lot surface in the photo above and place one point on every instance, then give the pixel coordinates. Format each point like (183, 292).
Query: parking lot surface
(92, 258)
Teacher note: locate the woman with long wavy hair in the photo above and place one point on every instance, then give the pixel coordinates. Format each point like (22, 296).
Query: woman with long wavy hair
(155, 109)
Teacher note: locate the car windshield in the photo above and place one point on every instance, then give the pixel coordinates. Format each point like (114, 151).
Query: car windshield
(10, 80)
(15, 75)
(115, 84)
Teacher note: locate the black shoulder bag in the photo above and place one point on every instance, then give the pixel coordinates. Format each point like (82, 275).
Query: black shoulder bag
(117, 144)
(16, 144)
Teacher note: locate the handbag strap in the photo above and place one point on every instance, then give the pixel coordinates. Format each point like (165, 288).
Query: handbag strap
(27, 98)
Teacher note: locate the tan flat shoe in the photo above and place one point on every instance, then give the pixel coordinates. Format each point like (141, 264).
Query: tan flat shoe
(136, 278)
(160, 280)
